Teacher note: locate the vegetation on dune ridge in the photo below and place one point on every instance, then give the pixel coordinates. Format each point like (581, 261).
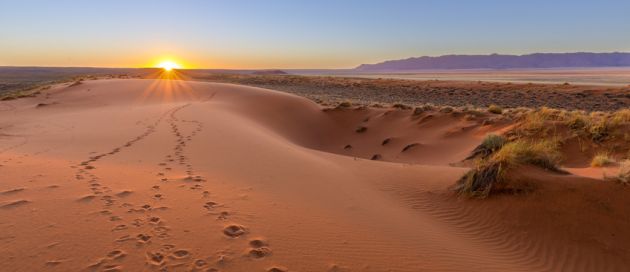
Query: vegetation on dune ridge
(489, 145)
(537, 139)
(489, 174)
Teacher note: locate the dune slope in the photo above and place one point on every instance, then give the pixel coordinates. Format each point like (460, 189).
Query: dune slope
(134, 175)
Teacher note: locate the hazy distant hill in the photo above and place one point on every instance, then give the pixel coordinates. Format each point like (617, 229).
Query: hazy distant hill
(496, 61)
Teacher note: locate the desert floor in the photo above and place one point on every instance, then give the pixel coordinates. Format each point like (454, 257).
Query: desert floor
(144, 175)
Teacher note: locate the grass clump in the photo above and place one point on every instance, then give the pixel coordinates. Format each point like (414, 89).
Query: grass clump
(401, 106)
(343, 105)
(577, 121)
(620, 117)
(601, 160)
(495, 109)
(535, 121)
(599, 130)
(543, 154)
(489, 145)
(489, 175)
(623, 176)
(446, 109)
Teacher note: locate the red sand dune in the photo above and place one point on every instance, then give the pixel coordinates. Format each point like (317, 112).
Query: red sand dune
(139, 175)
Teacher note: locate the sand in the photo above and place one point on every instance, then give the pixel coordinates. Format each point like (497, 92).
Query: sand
(149, 175)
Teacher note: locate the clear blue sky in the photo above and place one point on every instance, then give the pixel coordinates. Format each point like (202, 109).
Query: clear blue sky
(299, 34)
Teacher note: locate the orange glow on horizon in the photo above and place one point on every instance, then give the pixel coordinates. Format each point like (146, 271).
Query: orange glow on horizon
(169, 65)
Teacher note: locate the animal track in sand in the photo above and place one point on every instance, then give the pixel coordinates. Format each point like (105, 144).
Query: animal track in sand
(155, 258)
(258, 243)
(124, 193)
(223, 215)
(143, 239)
(155, 220)
(259, 248)
(180, 254)
(210, 205)
(234, 230)
(259, 253)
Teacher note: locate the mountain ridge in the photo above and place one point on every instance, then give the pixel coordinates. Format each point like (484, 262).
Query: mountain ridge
(503, 61)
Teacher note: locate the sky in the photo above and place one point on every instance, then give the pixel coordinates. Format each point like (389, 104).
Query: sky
(257, 34)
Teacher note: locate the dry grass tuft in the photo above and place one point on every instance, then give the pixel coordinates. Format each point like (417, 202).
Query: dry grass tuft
(601, 160)
(623, 176)
(495, 109)
(489, 175)
(344, 105)
(401, 106)
(489, 145)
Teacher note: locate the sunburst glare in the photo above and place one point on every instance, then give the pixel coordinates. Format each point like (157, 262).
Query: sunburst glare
(169, 65)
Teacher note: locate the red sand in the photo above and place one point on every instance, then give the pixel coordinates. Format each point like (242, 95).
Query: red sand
(141, 175)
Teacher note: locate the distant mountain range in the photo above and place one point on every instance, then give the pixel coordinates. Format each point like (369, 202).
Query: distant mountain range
(496, 61)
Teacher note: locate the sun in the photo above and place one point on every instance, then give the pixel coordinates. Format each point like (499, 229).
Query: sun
(168, 65)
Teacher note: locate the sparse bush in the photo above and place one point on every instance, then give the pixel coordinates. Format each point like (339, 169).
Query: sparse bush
(489, 175)
(534, 122)
(620, 117)
(543, 153)
(599, 130)
(401, 106)
(446, 109)
(345, 104)
(577, 121)
(495, 109)
(601, 160)
(624, 173)
(624, 170)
